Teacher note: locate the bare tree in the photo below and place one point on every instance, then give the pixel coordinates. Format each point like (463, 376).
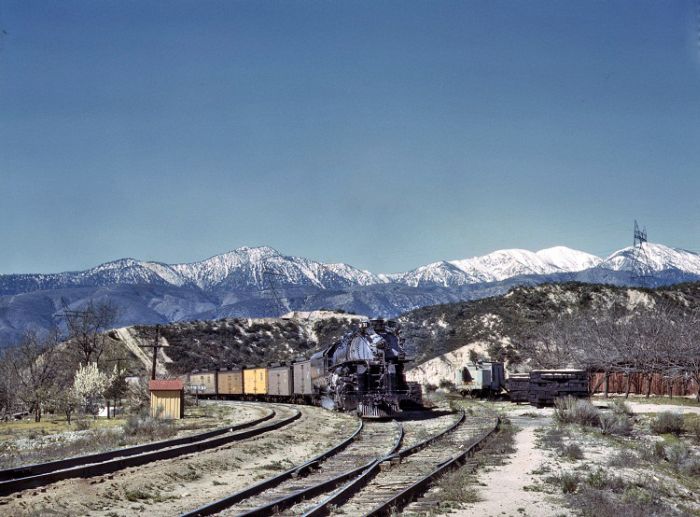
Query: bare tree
(684, 355)
(34, 367)
(556, 343)
(8, 385)
(87, 330)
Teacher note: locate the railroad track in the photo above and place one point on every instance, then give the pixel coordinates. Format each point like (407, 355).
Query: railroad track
(372, 440)
(34, 476)
(403, 476)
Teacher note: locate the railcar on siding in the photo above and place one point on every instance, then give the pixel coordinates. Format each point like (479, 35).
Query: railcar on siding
(205, 381)
(301, 373)
(230, 382)
(280, 382)
(542, 387)
(255, 381)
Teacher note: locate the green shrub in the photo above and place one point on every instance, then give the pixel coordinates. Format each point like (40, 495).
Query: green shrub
(572, 451)
(620, 407)
(569, 482)
(624, 459)
(600, 480)
(637, 496)
(693, 429)
(691, 466)
(618, 424)
(145, 426)
(570, 410)
(83, 425)
(677, 454)
(553, 438)
(667, 422)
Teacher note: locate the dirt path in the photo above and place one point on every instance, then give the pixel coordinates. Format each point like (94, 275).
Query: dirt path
(503, 493)
(640, 407)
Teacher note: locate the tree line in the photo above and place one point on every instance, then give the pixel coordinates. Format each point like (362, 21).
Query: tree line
(662, 340)
(76, 370)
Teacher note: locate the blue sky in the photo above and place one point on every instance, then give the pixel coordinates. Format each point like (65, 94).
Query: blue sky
(383, 134)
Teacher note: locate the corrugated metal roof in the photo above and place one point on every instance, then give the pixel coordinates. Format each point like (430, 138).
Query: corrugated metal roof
(165, 384)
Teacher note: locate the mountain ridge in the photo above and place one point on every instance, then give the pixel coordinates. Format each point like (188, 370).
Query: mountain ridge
(261, 281)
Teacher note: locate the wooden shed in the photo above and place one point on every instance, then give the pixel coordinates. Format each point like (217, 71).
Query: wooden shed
(167, 398)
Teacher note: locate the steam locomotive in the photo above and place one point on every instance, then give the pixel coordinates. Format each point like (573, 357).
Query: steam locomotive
(362, 372)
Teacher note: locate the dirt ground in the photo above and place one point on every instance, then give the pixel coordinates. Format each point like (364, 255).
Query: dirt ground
(170, 487)
(522, 486)
(503, 489)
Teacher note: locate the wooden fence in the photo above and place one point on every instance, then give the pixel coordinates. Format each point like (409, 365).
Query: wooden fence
(638, 383)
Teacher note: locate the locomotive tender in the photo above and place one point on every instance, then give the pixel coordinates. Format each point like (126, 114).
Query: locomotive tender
(362, 372)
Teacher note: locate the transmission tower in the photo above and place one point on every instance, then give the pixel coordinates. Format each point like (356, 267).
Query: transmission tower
(641, 268)
(269, 276)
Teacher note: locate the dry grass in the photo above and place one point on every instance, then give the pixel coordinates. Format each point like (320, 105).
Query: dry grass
(570, 410)
(460, 486)
(667, 422)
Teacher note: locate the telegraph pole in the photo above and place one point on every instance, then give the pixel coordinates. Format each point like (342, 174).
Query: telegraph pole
(155, 346)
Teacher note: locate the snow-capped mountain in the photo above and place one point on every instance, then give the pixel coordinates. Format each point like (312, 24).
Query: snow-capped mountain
(501, 265)
(243, 268)
(654, 258)
(260, 281)
(263, 267)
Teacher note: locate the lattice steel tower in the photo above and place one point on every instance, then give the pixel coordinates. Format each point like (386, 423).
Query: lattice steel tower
(641, 265)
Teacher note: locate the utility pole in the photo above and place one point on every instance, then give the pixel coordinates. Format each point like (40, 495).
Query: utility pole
(155, 346)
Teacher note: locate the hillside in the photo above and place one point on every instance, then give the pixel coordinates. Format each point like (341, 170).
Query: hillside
(239, 342)
(492, 327)
(442, 335)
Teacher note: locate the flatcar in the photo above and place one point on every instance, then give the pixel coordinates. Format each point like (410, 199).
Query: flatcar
(541, 387)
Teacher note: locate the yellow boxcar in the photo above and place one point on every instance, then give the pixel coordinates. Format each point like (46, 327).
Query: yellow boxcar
(231, 382)
(255, 381)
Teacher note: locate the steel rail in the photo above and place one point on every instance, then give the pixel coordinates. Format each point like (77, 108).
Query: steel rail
(42, 468)
(420, 445)
(106, 467)
(410, 493)
(370, 470)
(226, 502)
(298, 496)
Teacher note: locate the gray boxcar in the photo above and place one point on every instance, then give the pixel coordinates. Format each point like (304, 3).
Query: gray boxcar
(279, 381)
(204, 382)
(302, 378)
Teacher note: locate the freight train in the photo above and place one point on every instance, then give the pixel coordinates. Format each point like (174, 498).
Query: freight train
(362, 372)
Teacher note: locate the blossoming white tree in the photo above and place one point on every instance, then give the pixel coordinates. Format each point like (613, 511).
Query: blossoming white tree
(89, 385)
